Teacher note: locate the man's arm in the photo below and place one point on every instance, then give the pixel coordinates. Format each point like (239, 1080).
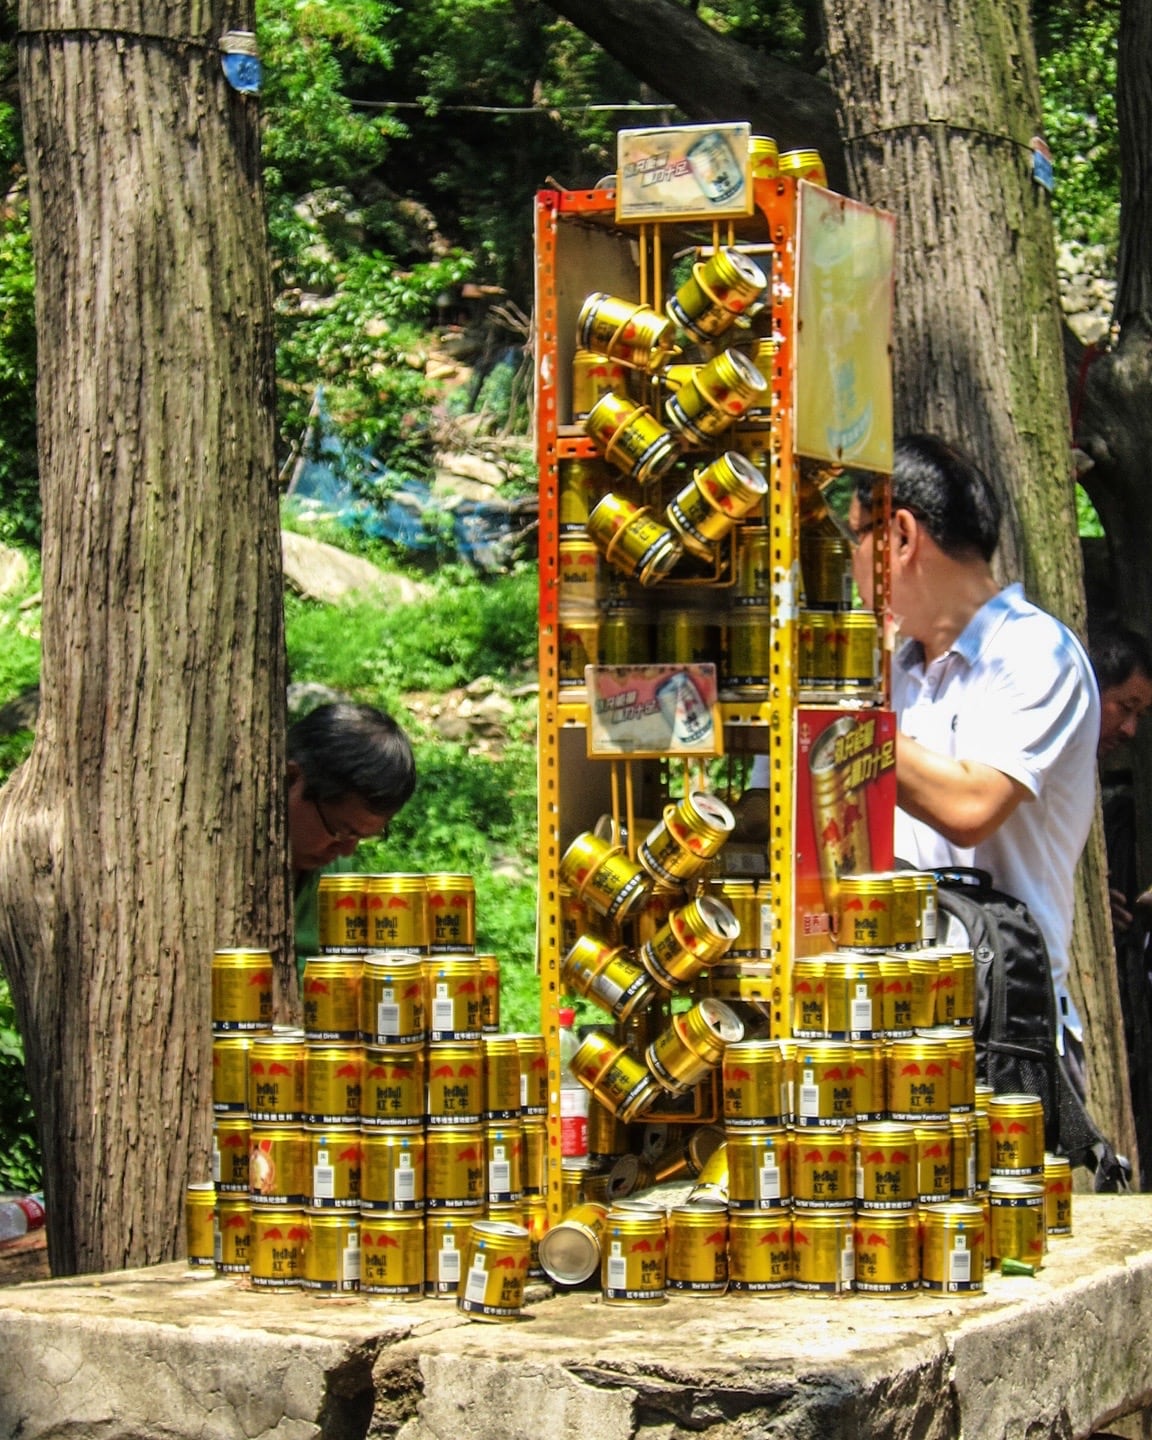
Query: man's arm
(962, 799)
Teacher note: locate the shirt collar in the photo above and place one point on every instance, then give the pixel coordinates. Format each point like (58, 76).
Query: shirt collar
(972, 640)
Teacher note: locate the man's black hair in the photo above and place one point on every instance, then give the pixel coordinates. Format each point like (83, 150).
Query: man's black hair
(947, 492)
(1117, 653)
(347, 749)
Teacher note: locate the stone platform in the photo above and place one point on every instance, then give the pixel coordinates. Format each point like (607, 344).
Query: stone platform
(159, 1353)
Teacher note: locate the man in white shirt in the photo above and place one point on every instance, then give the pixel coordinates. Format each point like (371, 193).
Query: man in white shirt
(996, 703)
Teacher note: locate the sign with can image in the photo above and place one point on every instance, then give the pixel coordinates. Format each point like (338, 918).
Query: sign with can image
(653, 710)
(684, 172)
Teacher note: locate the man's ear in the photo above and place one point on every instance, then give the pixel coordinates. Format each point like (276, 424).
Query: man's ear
(294, 772)
(905, 529)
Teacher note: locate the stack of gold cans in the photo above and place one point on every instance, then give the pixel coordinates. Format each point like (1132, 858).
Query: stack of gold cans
(357, 1153)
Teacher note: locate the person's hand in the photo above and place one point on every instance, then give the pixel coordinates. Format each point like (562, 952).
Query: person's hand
(1121, 915)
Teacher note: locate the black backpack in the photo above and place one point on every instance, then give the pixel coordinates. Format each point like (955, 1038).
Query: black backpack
(1016, 1024)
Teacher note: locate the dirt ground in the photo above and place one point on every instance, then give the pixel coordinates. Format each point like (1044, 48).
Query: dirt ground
(24, 1259)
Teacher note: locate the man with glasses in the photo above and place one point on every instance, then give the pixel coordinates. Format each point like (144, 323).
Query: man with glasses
(996, 703)
(350, 769)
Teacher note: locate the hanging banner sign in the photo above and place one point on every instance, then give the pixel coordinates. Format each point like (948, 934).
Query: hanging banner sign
(653, 710)
(685, 172)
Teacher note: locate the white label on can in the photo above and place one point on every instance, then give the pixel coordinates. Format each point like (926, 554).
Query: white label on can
(847, 1261)
(765, 927)
(387, 1018)
(859, 1181)
(323, 1178)
(499, 1172)
(351, 1259)
(617, 1269)
(862, 1009)
(928, 918)
(959, 1262)
(770, 1179)
(217, 1242)
(971, 1169)
(477, 1286)
(443, 1014)
(404, 1179)
(215, 1166)
(809, 1095)
(523, 1092)
(448, 1270)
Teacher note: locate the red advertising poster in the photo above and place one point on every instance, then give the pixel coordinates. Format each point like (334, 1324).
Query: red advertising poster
(845, 803)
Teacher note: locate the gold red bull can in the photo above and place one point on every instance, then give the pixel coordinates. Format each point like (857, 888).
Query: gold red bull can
(393, 1005)
(896, 1008)
(719, 393)
(759, 1169)
(342, 916)
(755, 1081)
(332, 1254)
(887, 1245)
(593, 376)
(533, 1052)
(623, 330)
(823, 1168)
(396, 913)
(857, 653)
(825, 565)
(454, 999)
(577, 646)
(279, 1172)
(446, 1236)
(393, 1170)
(720, 290)
(455, 1168)
(826, 1084)
(755, 569)
(392, 1255)
(1017, 1230)
(455, 1091)
(331, 993)
(625, 636)
(864, 913)
(233, 1234)
(689, 836)
(276, 1077)
(963, 1128)
(200, 1225)
(823, 1251)
(606, 975)
(765, 157)
(336, 1159)
(570, 1249)
(925, 969)
(634, 1257)
(630, 438)
(501, 1078)
(1057, 1195)
(489, 993)
(816, 650)
(580, 482)
(803, 165)
(759, 1251)
(694, 938)
(934, 1151)
(231, 1147)
(393, 1087)
(620, 1082)
(952, 1243)
(1016, 1127)
(693, 1044)
(963, 988)
(748, 655)
(504, 1142)
(242, 990)
(496, 1259)
(451, 901)
(697, 1248)
(535, 1156)
(919, 1079)
(333, 1084)
(887, 1173)
(279, 1238)
(230, 1073)
(961, 1065)
(633, 540)
(704, 512)
(870, 1077)
(604, 876)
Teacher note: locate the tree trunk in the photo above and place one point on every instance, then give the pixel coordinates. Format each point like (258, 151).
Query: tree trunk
(939, 107)
(146, 829)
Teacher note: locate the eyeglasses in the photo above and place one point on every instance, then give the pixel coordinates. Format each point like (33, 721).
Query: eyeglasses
(344, 836)
(855, 538)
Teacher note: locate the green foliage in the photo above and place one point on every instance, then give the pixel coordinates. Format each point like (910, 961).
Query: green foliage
(19, 1147)
(1087, 521)
(1078, 80)
(19, 489)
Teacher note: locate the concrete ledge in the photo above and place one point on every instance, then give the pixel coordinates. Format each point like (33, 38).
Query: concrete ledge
(161, 1353)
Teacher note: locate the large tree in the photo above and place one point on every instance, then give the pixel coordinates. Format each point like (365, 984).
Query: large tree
(937, 110)
(146, 829)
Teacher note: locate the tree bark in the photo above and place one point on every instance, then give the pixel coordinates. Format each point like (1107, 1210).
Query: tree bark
(939, 107)
(146, 829)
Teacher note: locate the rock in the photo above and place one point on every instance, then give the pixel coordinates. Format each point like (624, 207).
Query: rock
(303, 699)
(14, 571)
(452, 727)
(492, 714)
(324, 572)
(1088, 328)
(471, 467)
(481, 686)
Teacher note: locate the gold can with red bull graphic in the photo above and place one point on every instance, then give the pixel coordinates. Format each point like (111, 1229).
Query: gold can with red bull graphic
(749, 900)
(755, 1080)
(332, 1254)
(579, 575)
(489, 993)
(570, 1250)
(925, 970)
(816, 657)
(333, 1084)
(905, 910)
(276, 1077)
(231, 1147)
(604, 876)
(963, 988)
(887, 1245)
(607, 975)
(504, 1143)
(691, 833)
(593, 376)
(693, 1044)
(621, 329)
(896, 1007)
(242, 990)
(1016, 1128)
(279, 1170)
(754, 568)
(331, 992)
(803, 165)
(961, 1049)
(963, 1128)
(455, 1092)
(759, 1169)
(982, 1130)
(451, 914)
(864, 912)
(697, 1248)
(577, 644)
(393, 1088)
(580, 480)
(455, 1168)
(625, 636)
(919, 1079)
(392, 1255)
(501, 1077)
(343, 918)
(870, 1075)
(633, 1267)
(631, 438)
(934, 1169)
(826, 1084)
(396, 910)
(1057, 1195)
(535, 1156)
(824, 1251)
(693, 938)
(824, 1169)
(748, 653)
(393, 1170)
(200, 1225)
(230, 1073)
(857, 658)
(393, 1000)
(533, 1052)
(621, 1083)
(496, 1259)
(233, 1234)
(952, 1241)
(279, 1238)
(759, 1251)
(1017, 1229)
(945, 990)
(445, 1238)
(719, 393)
(809, 997)
(887, 1173)
(854, 995)
(704, 512)
(719, 291)
(632, 540)
(825, 566)
(336, 1159)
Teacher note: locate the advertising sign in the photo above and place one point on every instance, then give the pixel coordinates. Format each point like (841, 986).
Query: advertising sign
(653, 710)
(685, 172)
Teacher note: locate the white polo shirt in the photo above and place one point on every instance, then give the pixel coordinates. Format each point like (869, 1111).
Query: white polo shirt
(1016, 691)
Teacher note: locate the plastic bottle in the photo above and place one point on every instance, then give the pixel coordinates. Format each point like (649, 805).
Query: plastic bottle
(19, 1214)
(573, 1096)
